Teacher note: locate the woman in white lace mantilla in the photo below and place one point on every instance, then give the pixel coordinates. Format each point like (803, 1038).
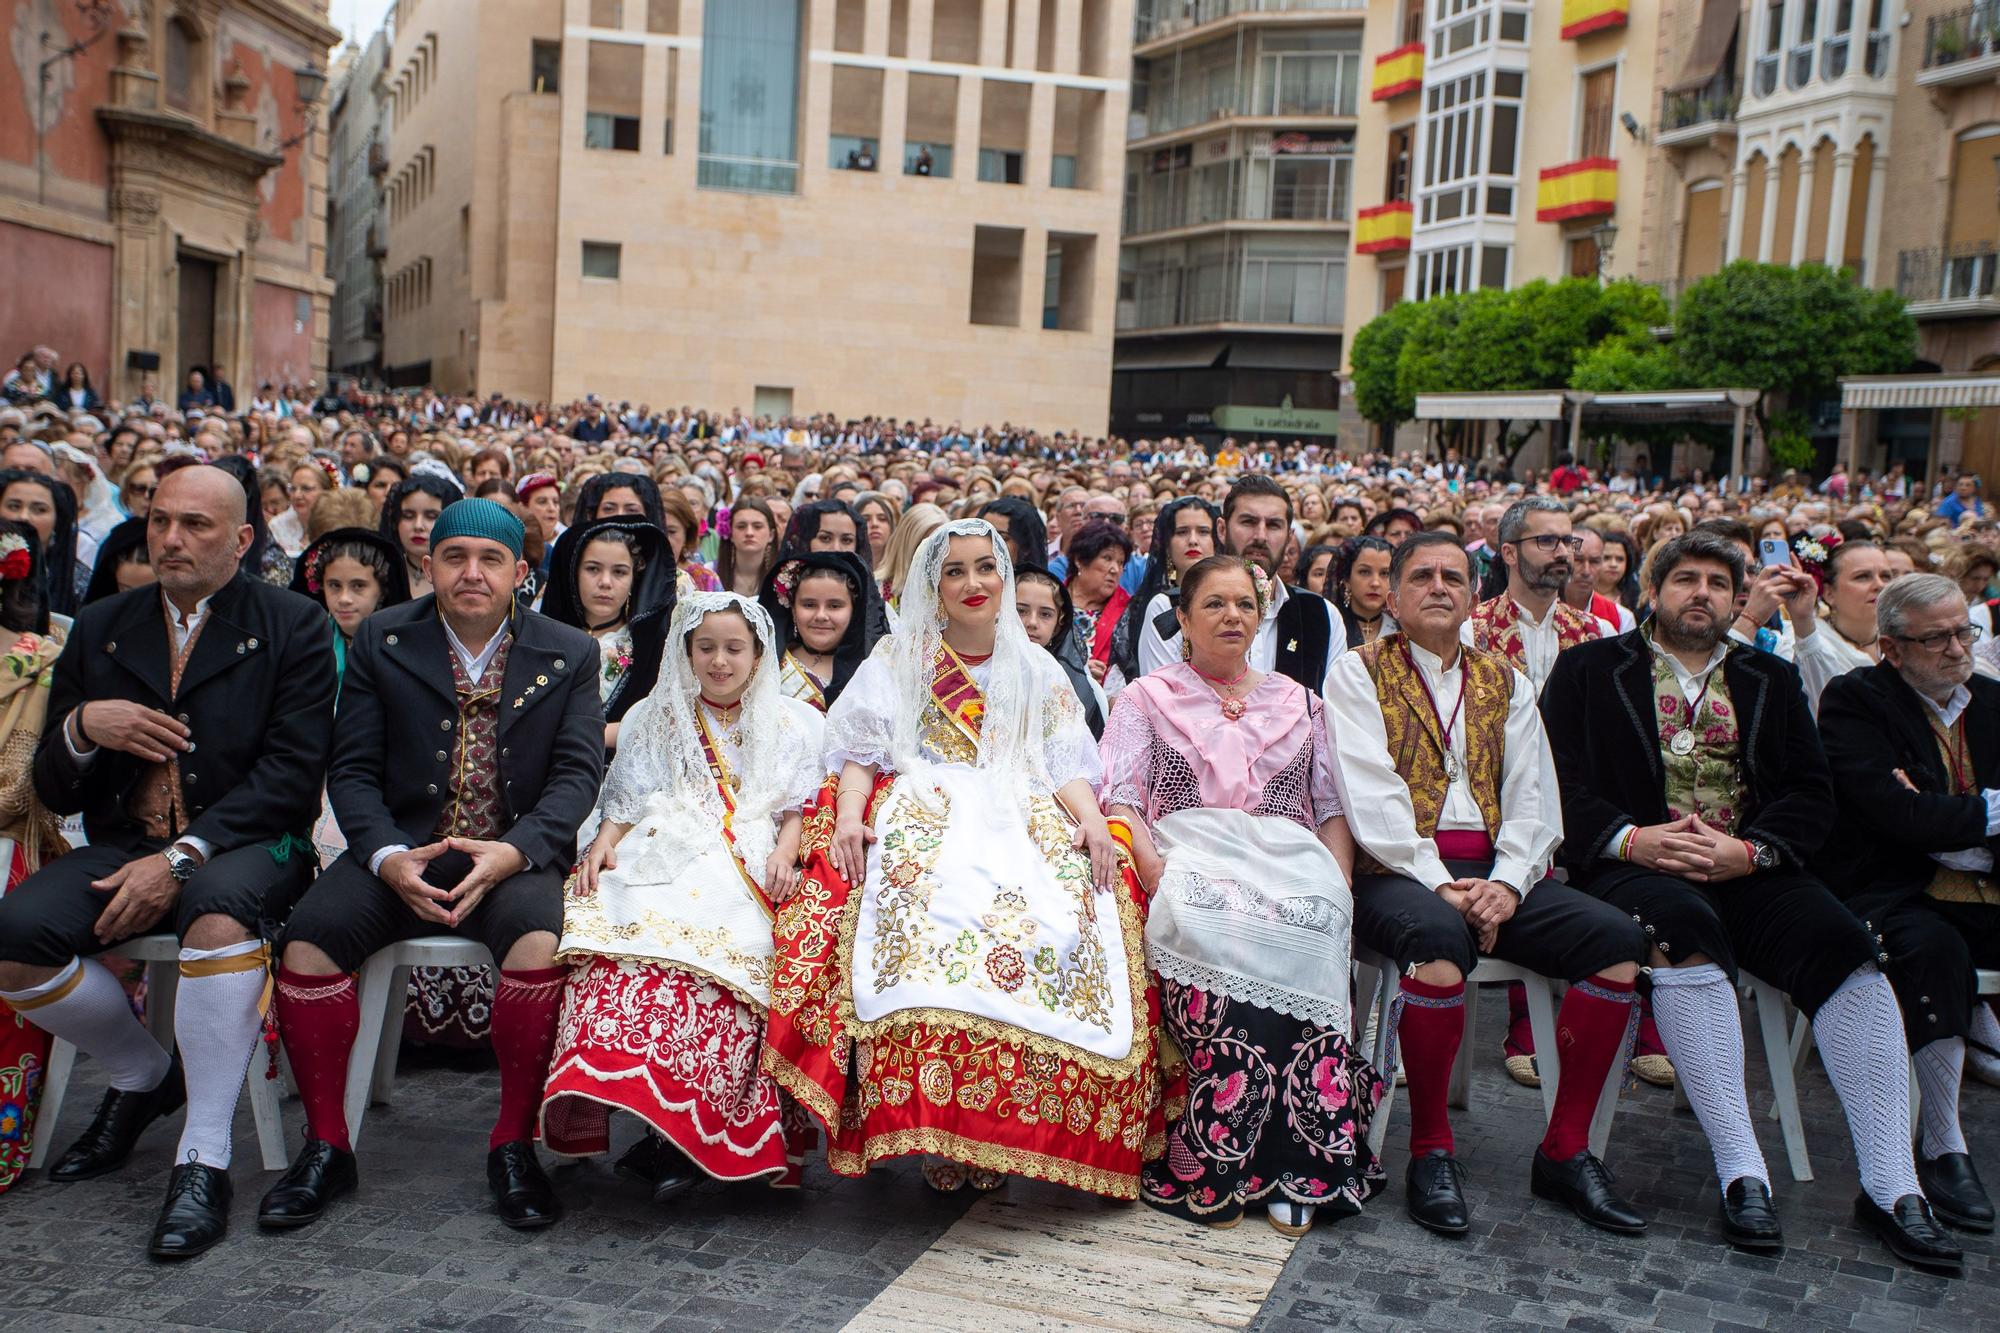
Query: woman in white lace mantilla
(961, 973)
(668, 919)
(1215, 768)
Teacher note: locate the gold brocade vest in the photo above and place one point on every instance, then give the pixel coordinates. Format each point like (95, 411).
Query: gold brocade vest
(1708, 779)
(474, 810)
(1947, 884)
(1416, 743)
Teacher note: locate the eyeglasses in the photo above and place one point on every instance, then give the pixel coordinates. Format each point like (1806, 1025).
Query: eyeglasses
(1549, 543)
(1116, 520)
(1967, 635)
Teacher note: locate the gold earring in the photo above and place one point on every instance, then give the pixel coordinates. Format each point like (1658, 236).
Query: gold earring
(1187, 649)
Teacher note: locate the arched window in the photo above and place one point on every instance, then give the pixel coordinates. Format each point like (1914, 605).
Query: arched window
(181, 66)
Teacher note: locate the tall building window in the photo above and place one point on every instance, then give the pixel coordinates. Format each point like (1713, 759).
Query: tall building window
(750, 96)
(545, 69)
(602, 259)
(1598, 109)
(183, 51)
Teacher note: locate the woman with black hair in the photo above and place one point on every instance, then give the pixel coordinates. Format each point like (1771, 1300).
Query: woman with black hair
(614, 579)
(1042, 601)
(1019, 522)
(620, 495)
(1314, 570)
(1361, 588)
(1097, 555)
(828, 614)
(1395, 525)
(123, 562)
(407, 518)
(1187, 531)
(48, 507)
(353, 573)
(1618, 573)
(826, 525)
(265, 560)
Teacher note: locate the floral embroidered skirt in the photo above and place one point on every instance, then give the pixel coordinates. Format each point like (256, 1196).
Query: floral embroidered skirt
(974, 1092)
(449, 1006)
(1275, 1107)
(681, 1053)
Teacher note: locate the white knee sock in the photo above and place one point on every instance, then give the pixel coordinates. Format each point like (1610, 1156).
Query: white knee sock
(85, 1006)
(216, 1023)
(1940, 1068)
(1860, 1034)
(1985, 1031)
(1696, 1012)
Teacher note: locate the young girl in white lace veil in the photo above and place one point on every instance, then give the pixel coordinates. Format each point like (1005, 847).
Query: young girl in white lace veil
(668, 919)
(964, 974)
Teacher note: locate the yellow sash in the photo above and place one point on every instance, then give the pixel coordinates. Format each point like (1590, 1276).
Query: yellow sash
(725, 783)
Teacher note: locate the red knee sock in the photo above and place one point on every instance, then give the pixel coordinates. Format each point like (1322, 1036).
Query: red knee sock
(1591, 1028)
(1520, 1032)
(318, 1016)
(1429, 1031)
(525, 1008)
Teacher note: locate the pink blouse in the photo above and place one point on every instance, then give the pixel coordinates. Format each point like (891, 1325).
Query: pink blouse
(1167, 747)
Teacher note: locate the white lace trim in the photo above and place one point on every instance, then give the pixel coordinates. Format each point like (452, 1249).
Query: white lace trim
(1323, 1011)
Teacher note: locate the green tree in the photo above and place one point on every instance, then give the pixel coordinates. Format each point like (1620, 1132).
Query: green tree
(1373, 358)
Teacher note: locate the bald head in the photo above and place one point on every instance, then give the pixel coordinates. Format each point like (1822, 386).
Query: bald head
(197, 532)
(209, 488)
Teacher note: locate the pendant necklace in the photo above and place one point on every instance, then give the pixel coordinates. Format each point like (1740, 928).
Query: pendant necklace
(1233, 708)
(1453, 770)
(1682, 741)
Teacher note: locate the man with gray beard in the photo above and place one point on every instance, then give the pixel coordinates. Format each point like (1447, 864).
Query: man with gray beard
(1914, 745)
(1694, 793)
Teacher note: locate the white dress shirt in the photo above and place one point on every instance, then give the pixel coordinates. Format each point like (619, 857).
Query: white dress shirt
(1975, 860)
(1377, 799)
(1156, 652)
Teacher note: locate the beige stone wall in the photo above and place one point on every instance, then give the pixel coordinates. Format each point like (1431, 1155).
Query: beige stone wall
(1660, 241)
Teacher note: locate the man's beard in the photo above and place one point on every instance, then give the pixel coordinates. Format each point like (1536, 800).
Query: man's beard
(1551, 576)
(1264, 556)
(1676, 632)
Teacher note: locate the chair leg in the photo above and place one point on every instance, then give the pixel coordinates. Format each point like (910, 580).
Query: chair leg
(264, 1109)
(55, 1087)
(163, 981)
(1785, 1090)
(1607, 1108)
(1388, 985)
(1548, 1060)
(376, 975)
(392, 1038)
(1801, 1047)
(1461, 1069)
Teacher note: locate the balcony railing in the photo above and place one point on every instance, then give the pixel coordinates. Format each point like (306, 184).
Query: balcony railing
(1942, 275)
(1965, 34)
(1205, 197)
(1709, 106)
(1236, 288)
(1164, 18)
(1322, 84)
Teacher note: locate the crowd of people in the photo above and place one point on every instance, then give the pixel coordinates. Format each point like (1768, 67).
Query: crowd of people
(1018, 800)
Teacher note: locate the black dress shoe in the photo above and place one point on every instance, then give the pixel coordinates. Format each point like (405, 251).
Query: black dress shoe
(121, 1118)
(1748, 1219)
(1911, 1233)
(522, 1193)
(677, 1175)
(641, 1161)
(1954, 1190)
(1436, 1194)
(320, 1174)
(1584, 1184)
(196, 1213)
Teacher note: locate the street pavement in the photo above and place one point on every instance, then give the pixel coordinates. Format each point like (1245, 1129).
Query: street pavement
(418, 1247)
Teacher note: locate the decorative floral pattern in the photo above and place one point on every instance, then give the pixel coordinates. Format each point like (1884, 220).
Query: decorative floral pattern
(617, 657)
(1273, 1108)
(1708, 780)
(1496, 628)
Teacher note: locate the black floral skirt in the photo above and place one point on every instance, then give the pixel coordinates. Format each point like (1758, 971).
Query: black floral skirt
(1276, 1107)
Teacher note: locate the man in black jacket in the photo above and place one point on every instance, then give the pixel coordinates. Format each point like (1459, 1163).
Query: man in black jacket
(1301, 632)
(1914, 744)
(189, 723)
(1693, 793)
(470, 747)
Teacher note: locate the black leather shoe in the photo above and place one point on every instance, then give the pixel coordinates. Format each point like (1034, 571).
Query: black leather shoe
(1584, 1184)
(121, 1118)
(1911, 1233)
(195, 1215)
(522, 1193)
(1435, 1185)
(641, 1161)
(1748, 1219)
(677, 1175)
(1953, 1188)
(320, 1174)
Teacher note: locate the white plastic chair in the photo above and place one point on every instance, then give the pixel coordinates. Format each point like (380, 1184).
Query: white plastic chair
(1784, 1056)
(385, 980)
(162, 956)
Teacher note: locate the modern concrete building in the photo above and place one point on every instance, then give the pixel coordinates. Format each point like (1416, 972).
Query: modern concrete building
(857, 206)
(357, 233)
(1239, 198)
(162, 182)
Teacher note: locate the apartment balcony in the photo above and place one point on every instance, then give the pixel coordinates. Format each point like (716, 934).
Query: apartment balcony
(1830, 60)
(1398, 73)
(1308, 88)
(1235, 291)
(1580, 18)
(1581, 189)
(1962, 47)
(1699, 116)
(1275, 193)
(1383, 230)
(1950, 282)
(378, 240)
(1165, 23)
(378, 158)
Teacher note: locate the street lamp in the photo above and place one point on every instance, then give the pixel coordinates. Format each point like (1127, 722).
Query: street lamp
(309, 81)
(1604, 235)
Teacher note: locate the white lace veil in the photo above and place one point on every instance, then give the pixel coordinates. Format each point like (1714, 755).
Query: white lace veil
(1010, 736)
(659, 744)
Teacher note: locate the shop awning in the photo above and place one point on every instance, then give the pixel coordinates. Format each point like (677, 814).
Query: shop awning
(1319, 353)
(1711, 45)
(1877, 393)
(1527, 405)
(1188, 354)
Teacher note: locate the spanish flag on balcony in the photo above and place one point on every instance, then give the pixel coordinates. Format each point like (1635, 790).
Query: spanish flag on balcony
(1587, 16)
(1577, 190)
(1382, 230)
(1398, 72)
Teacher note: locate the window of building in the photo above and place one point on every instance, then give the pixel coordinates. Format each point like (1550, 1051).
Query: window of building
(955, 31)
(1293, 279)
(545, 67)
(663, 16)
(465, 238)
(1003, 131)
(930, 124)
(673, 98)
(1396, 184)
(607, 13)
(854, 140)
(182, 59)
(1413, 22)
(1309, 73)
(1597, 109)
(1069, 281)
(750, 53)
(1461, 268)
(1583, 256)
(603, 130)
(1471, 131)
(613, 96)
(1392, 284)
(1079, 121)
(996, 276)
(1798, 61)
(601, 259)
(850, 24)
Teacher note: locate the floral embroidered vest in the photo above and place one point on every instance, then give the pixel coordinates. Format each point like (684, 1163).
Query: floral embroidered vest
(1708, 780)
(1417, 745)
(474, 810)
(1496, 628)
(1947, 884)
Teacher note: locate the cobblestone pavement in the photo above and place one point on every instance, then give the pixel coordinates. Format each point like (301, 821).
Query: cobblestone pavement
(418, 1248)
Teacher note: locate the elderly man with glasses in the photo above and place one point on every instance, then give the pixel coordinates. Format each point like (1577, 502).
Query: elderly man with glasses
(1914, 745)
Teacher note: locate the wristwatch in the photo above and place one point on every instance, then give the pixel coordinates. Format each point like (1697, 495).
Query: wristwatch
(181, 865)
(1763, 856)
